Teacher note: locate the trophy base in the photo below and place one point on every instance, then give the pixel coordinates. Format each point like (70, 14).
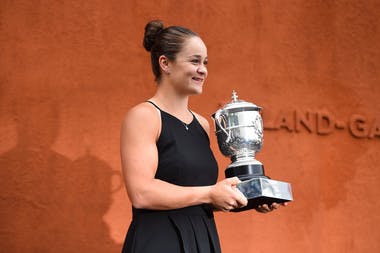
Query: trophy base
(262, 190)
(245, 171)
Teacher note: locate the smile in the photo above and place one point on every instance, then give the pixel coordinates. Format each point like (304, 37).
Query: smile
(198, 79)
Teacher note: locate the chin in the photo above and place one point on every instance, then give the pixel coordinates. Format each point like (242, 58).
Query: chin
(197, 91)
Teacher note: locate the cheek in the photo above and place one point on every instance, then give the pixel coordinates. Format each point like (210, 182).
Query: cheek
(194, 69)
(190, 72)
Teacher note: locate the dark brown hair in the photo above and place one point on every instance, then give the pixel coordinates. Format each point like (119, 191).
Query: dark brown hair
(164, 41)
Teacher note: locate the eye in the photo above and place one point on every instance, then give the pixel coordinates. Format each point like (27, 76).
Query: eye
(195, 61)
(205, 62)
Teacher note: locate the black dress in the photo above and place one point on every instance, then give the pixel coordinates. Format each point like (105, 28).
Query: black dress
(185, 159)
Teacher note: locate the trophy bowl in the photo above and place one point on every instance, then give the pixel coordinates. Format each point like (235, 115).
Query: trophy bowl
(239, 131)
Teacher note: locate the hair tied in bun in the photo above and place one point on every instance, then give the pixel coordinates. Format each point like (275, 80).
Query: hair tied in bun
(167, 41)
(152, 30)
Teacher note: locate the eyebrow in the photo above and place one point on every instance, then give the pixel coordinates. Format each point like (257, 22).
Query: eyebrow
(197, 56)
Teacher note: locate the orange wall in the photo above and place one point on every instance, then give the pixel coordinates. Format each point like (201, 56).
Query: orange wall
(71, 69)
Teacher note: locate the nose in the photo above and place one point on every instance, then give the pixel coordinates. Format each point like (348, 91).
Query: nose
(202, 69)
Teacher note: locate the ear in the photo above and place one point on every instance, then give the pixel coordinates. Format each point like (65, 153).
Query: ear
(164, 64)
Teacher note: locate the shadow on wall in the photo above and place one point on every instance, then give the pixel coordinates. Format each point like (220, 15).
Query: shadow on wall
(49, 203)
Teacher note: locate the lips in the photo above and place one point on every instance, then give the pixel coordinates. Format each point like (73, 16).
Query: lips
(198, 79)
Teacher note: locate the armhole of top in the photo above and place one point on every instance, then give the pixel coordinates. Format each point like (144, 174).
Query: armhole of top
(159, 117)
(200, 124)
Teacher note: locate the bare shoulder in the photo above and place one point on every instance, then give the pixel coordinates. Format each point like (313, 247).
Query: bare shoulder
(141, 110)
(142, 118)
(204, 122)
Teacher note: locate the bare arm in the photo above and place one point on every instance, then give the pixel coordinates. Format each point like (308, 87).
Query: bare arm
(139, 132)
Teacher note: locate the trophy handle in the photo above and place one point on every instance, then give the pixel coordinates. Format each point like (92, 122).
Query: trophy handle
(221, 118)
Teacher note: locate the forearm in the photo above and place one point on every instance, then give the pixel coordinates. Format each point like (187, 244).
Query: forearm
(161, 195)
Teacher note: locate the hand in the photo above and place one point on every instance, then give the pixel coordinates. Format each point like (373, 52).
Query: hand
(225, 196)
(268, 208)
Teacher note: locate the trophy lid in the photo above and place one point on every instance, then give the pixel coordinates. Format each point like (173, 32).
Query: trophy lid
(240, 104)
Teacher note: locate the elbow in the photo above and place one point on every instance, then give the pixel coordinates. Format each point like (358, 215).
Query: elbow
(140, 201)
(139, 204)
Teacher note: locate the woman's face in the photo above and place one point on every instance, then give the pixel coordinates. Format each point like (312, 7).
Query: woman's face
(188, 71)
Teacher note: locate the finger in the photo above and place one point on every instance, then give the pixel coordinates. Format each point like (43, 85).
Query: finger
(232, 204)
(261, 209)
(240, 198)
(233, 181)
(266, 208)
(227, 209)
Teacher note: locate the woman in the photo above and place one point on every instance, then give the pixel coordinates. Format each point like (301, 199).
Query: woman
(169, 169)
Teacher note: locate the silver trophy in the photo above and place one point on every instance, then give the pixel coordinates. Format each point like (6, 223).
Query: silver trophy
(239, 130)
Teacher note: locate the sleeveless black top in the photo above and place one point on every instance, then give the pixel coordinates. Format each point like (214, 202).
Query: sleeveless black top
(185, 159)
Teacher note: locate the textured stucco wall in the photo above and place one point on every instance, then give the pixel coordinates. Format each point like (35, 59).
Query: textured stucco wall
(69, 70)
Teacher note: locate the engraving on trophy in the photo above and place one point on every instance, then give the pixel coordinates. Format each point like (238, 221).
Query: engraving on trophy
(239, 131)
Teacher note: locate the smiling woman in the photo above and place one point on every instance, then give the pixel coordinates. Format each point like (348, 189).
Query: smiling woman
(169, 169)
(188, 71)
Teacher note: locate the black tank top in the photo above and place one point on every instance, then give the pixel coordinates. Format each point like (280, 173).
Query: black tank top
(185, 159)
(184, 154)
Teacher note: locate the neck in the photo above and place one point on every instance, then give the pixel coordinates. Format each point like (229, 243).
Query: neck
(171, 100)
